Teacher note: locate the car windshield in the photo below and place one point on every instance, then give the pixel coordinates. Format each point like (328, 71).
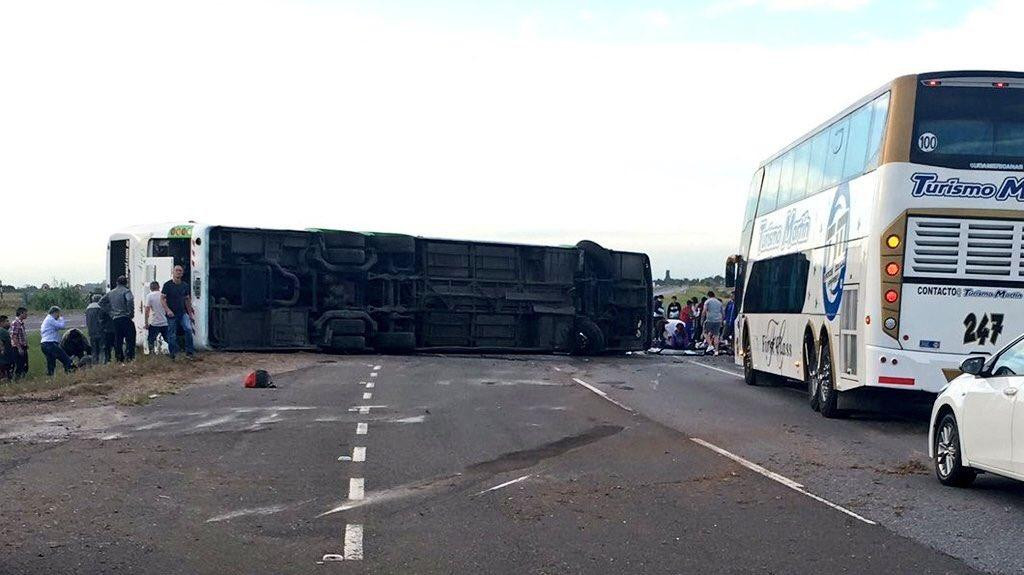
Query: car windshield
(969, 127)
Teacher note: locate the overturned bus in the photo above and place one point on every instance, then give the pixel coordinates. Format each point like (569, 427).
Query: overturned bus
(263, 289)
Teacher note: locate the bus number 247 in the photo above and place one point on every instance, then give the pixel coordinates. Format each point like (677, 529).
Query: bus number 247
(987, 329)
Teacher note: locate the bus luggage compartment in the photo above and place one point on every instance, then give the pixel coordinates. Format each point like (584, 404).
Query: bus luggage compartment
(353, 292)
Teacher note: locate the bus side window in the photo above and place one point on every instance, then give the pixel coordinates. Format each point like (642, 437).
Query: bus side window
(786, 180)
(837, 135)
(879, 115)
(801, 161)
(857, 143)
(777, 285)
(816, 166)
(770, 189)
(755, 191)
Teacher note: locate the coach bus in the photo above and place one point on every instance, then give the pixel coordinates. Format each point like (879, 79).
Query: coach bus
(884, 246)
(263, 289)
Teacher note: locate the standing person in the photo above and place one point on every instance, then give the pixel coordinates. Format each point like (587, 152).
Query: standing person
(686, 315)
(19, 339)
(49, 337)
(121, 304)
(659, 309)
(699, 314)
(178, 306)
(730, 319)
(97, 319)
(156, 316)
(7, 352)
(674, 308)
(713, 314)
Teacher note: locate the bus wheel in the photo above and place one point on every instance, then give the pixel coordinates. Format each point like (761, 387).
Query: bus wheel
(749, 376)
(828, 397)
(811, 372)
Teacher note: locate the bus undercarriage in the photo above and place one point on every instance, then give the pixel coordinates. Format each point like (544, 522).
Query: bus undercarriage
(352, 292)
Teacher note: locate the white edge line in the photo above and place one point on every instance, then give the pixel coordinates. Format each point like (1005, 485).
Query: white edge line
(601, 393)
(779, 478)
(725, 371)
(506, 484)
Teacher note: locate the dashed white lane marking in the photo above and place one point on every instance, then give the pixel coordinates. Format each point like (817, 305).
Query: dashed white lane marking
(556, 368)
(376, 368)
(601, 393)
(506, 484)
(364, 409)
(358, 454)
(374, 374)
(353, 542)
(355, 488)
(369, 385)
(779, 478)
(361, 428)
(713, 368)
(367, 395)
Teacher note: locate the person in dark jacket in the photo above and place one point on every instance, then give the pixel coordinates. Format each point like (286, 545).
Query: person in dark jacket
(97, 319)
(121, 304)
(7, 354)
(76, 345)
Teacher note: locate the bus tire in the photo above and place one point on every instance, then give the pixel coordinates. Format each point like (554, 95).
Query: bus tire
(348, 327)
(749, 375)
(828, 397)
(811, 371)
(589, 339)
(599, 259)
(345, 256)
(348, 343)
(333, 239)
(393, 243)
(395, 341)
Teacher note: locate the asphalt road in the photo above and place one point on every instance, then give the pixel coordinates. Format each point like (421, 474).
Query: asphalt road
(491, 465)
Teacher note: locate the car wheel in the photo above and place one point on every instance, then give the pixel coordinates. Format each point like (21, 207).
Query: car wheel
(949, 467)
(828, 397)
(749, 375)
(811, 373)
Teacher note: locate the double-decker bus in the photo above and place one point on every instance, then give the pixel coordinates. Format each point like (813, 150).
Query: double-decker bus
(265, 289)
(887, 244)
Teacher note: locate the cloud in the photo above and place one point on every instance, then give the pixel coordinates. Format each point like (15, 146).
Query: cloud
(656, 19)
(282, 114)
(722, 7)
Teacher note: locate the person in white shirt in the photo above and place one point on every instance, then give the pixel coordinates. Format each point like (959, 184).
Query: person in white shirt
(156, 316)
(49, 341)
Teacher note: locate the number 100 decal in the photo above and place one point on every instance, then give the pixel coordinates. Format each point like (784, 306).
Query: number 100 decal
(985, 330)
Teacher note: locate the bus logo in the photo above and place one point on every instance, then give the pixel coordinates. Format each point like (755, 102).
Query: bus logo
(833, 269)
(927, 184)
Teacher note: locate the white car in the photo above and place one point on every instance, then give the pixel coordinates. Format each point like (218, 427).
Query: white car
(978, 420)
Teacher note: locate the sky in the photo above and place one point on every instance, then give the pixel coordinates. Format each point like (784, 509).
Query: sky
(634, 124)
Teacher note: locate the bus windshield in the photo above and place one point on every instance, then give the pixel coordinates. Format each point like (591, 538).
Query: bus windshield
(969, 127)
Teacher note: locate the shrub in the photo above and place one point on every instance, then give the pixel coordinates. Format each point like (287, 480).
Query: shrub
(62, 295)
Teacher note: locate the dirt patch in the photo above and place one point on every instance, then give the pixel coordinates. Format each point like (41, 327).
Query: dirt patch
(138, 382)
(530, 457)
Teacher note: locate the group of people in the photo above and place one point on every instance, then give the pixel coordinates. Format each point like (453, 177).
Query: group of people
(110, 324)
(705, 324)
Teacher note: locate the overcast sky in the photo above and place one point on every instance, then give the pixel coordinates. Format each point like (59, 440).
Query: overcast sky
(636, 124)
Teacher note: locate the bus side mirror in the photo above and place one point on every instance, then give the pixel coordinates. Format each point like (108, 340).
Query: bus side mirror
(730, 273)
(973, 365)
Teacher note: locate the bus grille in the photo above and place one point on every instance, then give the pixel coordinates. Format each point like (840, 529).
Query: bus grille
(958, 248)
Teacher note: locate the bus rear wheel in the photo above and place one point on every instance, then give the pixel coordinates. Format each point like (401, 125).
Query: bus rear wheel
(811, 372)
(828, 397)
(749, 375)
